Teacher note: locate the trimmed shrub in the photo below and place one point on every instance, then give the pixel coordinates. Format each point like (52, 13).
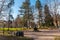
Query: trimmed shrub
(20, 33)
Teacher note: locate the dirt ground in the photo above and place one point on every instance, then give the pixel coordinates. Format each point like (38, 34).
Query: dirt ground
(14, 38)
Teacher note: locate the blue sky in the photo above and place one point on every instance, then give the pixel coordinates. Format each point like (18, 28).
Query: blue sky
(16, 6)
(18, 3)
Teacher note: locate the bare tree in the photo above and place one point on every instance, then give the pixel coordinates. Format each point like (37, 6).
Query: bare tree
(5, 6)
(55, 12)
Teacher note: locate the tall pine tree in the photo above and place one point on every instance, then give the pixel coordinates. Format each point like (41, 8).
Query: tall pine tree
(28, 15)
(48, 17)
(39, 8)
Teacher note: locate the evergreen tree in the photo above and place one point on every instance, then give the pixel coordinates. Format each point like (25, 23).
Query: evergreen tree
(28, 15)
(48, 17)
(39, 8)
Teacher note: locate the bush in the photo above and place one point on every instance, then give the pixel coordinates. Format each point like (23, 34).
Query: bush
(20, 33)
(36, 29)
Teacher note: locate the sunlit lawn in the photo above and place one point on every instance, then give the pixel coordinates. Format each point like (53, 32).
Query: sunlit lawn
(8, 36)
(12, 29)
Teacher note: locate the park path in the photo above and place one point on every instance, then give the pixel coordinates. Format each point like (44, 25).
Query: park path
(43, 35)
